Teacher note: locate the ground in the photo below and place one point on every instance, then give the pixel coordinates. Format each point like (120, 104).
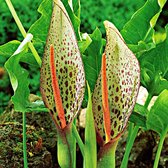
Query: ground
(41, 143)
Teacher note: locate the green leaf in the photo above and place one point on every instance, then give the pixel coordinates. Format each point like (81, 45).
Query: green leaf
(6, 50)
(76, 7)
(138, 116)
(75, 19)
(90, 136)
(19, 77)
(139, 27)
(29, 59)
(140, 109)
(154, 68)
(86, 41)
(40, 28)
(158, 116)
(9, 48)
(37, 106)
(92, 58)
(138, 119)
(141, 48)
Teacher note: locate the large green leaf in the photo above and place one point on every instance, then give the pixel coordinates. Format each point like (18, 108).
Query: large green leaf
(28, 58)
(139, 28)
(19, 77)
(158, 116)
(90, 136)
(40, 28)
(154, 67)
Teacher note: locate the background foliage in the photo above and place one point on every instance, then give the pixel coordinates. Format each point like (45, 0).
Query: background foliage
(93, 15)
(117, 11)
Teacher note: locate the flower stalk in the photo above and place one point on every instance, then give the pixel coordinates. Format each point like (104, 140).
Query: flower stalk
(107, 155)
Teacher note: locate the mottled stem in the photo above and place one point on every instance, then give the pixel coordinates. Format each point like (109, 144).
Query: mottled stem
(66, 147)
(106, 156)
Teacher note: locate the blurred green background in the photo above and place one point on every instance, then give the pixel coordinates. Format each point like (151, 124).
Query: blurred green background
(93, 13)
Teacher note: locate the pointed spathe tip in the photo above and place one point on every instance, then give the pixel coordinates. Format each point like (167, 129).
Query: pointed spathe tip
(108, 24)
(110, 27)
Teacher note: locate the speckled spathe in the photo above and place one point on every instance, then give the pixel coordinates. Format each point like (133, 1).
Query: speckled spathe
(123, 77)
(69, 66)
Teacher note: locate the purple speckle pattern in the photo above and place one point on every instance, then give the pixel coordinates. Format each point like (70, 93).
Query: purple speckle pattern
(69, 66)
(123, 77)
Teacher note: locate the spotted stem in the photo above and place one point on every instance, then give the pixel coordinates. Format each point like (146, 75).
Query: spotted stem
(106, 111)
(56, 90)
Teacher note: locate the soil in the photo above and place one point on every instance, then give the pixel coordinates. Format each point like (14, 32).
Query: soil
(41, 143)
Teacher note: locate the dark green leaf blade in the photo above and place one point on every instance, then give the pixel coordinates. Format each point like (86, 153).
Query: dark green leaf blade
(139, 27)
(138, 119)
(138, 116)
